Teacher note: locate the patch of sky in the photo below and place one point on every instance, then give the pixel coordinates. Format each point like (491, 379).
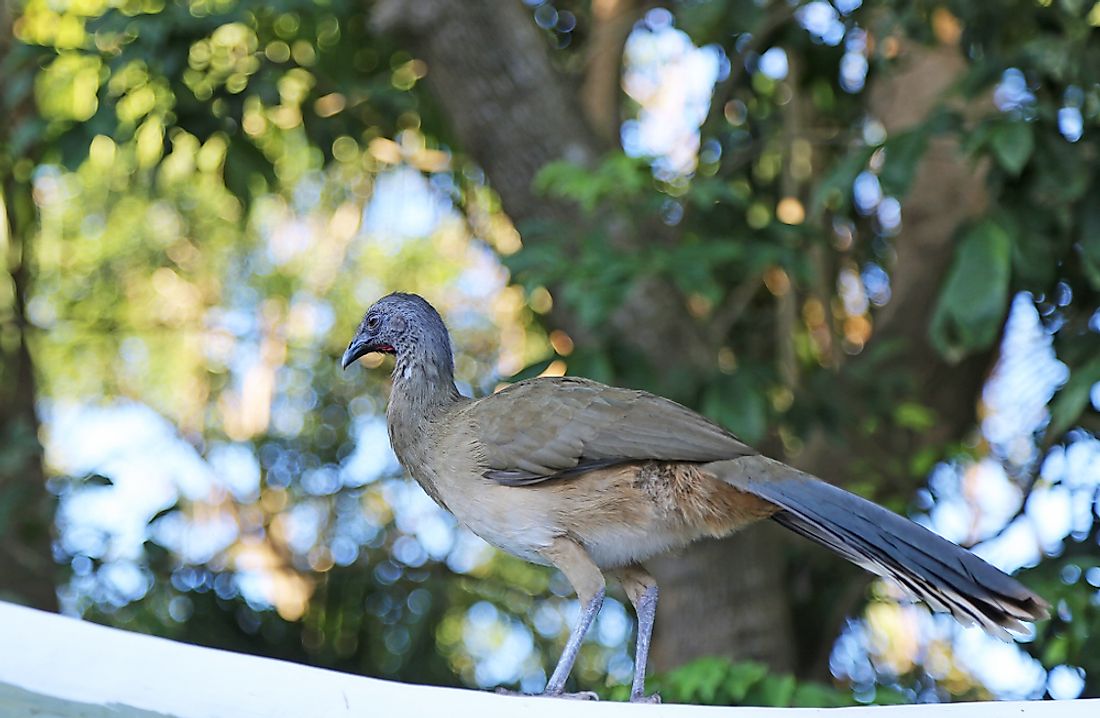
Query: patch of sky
(1070, 123)
(496, 641)
(773, 63)
(822, 21)
(613, 624)
(236, 467)
(671, 80)
(1012, 92)
(1008, 672)
(149, 466)
(867, 192)
(1022, 383)
(1066, 682)
(888, 214)
(372, 456)
(415, 514)
(876, 283)
(404, 204)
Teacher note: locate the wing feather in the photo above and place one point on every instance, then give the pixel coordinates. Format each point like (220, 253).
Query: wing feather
(560, 426)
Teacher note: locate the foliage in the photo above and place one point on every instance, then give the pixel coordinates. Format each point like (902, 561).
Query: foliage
(974, 299)
(203, 177)
(719, 682)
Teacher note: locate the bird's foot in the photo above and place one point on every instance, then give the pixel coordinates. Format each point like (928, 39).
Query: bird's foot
(654, 698)
(580, 696)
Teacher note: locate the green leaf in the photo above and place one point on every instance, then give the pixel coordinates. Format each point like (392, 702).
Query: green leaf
(974, 298)
(699, 680)
(774, 691)
(1089, 244)
(739, 405)
(1072, 399)
(248, 172)
(1056, 650)
(1034, 261)
(921, 463)
(742, 677)
(912, 415)
(617, 178)
(592, 362)
(834, 192)
(903, 153)
(1012, 144)
(889, 697)
(818, 695)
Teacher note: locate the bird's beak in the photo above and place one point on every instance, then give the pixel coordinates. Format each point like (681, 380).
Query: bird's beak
(360, 347)
(356, 349)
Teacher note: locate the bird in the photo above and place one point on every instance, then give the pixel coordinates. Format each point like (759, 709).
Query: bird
(594, 480)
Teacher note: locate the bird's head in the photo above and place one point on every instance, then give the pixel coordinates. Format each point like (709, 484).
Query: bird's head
(405, 325)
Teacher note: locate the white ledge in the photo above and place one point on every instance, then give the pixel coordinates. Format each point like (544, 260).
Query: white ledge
(52, 665)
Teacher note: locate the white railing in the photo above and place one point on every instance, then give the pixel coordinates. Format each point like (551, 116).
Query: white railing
(51, 666)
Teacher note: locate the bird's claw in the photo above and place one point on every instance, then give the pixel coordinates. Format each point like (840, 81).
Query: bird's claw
(579, 696)
(654, 698)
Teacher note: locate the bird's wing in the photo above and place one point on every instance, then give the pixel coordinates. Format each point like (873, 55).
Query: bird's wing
(553, 427)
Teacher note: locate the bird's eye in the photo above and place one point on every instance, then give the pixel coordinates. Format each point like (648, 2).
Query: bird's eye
(373, 322)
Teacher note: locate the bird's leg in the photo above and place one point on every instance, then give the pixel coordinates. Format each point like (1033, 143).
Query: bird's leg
(641, 589)
(589, 584)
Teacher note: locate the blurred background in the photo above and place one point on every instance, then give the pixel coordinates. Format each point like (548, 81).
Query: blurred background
(865, 237)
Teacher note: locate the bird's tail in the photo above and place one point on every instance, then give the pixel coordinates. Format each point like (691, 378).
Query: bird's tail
(943, 575)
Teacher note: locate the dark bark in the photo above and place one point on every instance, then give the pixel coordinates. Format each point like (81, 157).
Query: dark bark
(725, 598)
(490, 70)
(612, 21)
(27, 571)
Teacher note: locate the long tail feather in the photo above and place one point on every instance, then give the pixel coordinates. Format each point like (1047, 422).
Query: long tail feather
(942, 574)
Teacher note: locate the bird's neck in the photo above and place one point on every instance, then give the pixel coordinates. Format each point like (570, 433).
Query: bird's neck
(423, 389)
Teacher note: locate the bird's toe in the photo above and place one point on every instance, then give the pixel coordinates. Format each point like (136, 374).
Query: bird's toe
(579, 696)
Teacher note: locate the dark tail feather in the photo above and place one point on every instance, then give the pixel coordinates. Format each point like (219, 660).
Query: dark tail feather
(945, 576)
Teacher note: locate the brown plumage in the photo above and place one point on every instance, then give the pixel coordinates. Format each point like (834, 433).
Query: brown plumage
(591, 479)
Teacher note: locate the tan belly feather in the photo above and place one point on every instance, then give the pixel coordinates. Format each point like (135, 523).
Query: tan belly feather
(628, 513)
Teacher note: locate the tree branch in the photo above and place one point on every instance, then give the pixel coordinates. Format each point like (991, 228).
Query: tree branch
(26, 563)
(601, 89)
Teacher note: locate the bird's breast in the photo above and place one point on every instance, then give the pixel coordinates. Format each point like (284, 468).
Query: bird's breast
(622, 514)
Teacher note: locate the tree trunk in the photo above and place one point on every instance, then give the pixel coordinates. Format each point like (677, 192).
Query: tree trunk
(27, 570)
